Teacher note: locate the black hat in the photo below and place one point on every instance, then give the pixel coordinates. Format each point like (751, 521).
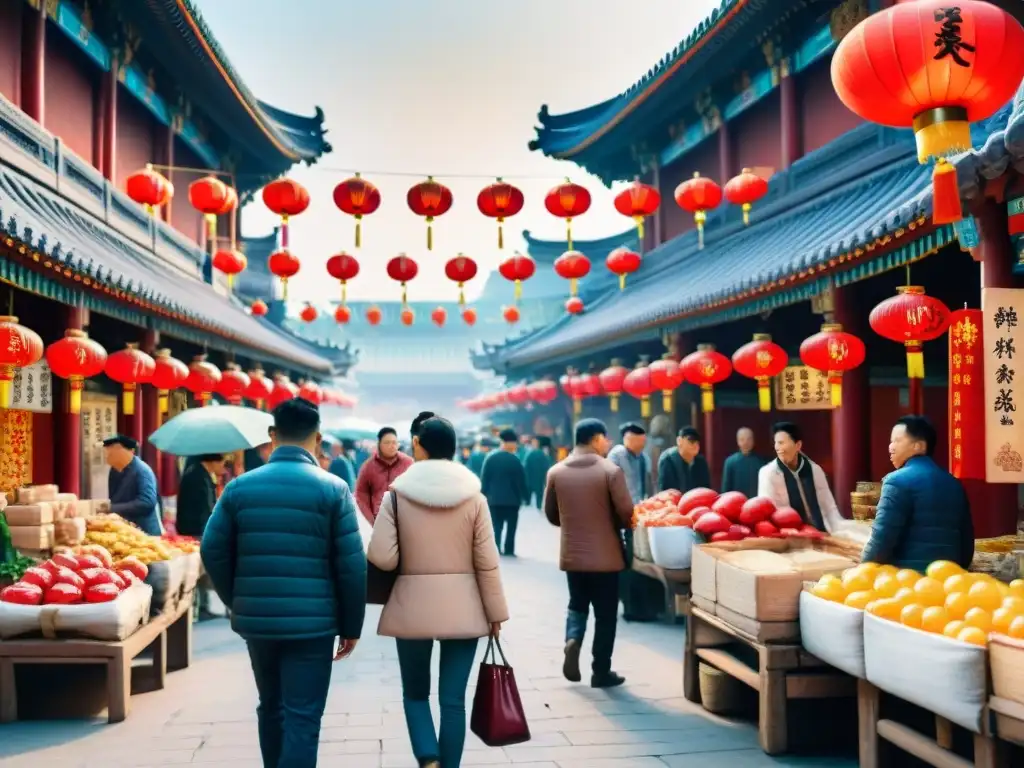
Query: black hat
(631, 428)
(507, 436)
(128, 442)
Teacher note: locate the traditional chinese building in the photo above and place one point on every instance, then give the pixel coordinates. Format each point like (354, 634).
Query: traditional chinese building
(847, 220)
(91, 92)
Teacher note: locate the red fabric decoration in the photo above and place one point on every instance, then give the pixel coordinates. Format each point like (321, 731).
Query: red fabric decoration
(129, 368)
(203, 378)
(169, 374)
(911, 318)
(511, 314)
(233, 384)
(667, 376)
(308, 313)
(574, 306)
(402, 269)
(460, 270)
(283, 265)
(571, 266)
(745, 190)
(761, 360)
(374, 315)
(286, 198)
(519, 395)
(516, 269)
(543, 392)
(469, 316)
(698, 196)
(230, 262)
(357, 197)
(343, 268)
(612, 379)
(149, 189)
(430, 200)
(259, 388)
(834, 352)
(342, 315)
(310, 392)
(208, 195)
(706, 367)
(567, 201)
(408, 317)
(76, 358)
(638, 384)
(439, 316)
(622, 262)
(282, 391)
(638, 201)
(259, 308)
(500, 201)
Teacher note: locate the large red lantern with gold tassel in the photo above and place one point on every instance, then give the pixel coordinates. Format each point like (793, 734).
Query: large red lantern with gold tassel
(612, 379)
(286, 198)
(745, 190)
(149, 189)
(460, 271)
(572, 266)
(911, 318)
(209, 195)
(260, 387)
(500, 201)
(833, 351)
(667, 376)
(638, 384)
(568, 201)
(75, 358)
(706, 368)
(429, 199)
(283, 265)
(19, 348)
(343, 267)
(233, 384)
(622, 262)
(517, 269)
(933, 66)
(698, 196)
(169, 374)
(638, 201)
(230, 262)
(357, 197)
(203, 378)
(129, 368)
(761, 360)
(282, 391)
(402, 269)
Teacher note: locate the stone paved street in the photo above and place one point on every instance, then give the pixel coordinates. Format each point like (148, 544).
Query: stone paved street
(206, 713)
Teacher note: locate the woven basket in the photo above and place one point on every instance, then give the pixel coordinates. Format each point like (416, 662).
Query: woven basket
(1004, 566)
(642, 543)
(865, 499)
(869, 487)
(998, 545)
(863, 512)
(720, 693)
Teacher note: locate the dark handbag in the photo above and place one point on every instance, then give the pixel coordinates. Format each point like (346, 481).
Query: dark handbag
(379, 583)
(498, 719)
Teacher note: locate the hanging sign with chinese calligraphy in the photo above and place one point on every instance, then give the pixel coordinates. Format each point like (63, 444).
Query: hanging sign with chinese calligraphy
(801, 388)
(99, 421)
(966, 395)
(32, 389)
(1004, 376)
(1015, 228)
(15, 450)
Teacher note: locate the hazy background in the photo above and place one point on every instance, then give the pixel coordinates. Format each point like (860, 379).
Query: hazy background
(449, 88)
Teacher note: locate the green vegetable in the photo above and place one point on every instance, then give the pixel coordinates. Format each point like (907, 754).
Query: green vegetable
(15, 569)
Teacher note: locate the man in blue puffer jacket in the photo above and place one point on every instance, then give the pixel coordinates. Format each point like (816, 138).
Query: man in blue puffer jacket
(923, 514)
(284, 553)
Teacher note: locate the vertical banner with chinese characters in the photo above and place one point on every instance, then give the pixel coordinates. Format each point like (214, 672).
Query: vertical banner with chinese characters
(1004, 425)
(801, 388)
(966, 395)
(99, 421)
(32, 389)
(15, 449)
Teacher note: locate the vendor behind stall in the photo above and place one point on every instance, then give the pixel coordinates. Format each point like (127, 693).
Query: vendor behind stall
(793, 480)
(132, 485)
(923, 514)
(683, 468)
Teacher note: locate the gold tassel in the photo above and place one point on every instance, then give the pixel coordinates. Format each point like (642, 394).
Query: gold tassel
(639, 227)
(645, 407)
(405, 296)
(622, 282)
(707, 398)
(284, 288)
(5, 393)
(573, 284)
(666, 400)
(128, 400)
(764, 395)
(164, 396)
(915, 360)
(613, 402)
(462, 297)
(501, 236)
(430, 233)
(568, 232)
(519, 290)
(75, 396)
(837, 391)
(746, 214)
(359, 232)
(700, 217)
(211, 229)
(577, 406)
(231, 282)
(344, 291)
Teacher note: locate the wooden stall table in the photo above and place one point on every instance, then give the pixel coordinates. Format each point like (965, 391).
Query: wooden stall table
(179, 634)
(676, 584)
(785, 671)
(1009, 719)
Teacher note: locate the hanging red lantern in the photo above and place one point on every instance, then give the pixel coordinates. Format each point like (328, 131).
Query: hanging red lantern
(469, 316)
(543, 392)
(745, 190)
(511, 314)
(460, 270)
(622, 262)
(519, 395)
(706, 368)
(209, 196)
(402, 269)
(374, 315)
(233, 384)
(230, 262)
(571, 386)
(638, 201)
(935, 67)
(500, 201)
(310, 392)
(590, 385)
(203, 378)
(308, 313)
(638, 384)
(572, 266)
(130, 367)
(260, 387)
(430, 200)
(407, 317)
(516, 269)
(259, 308)
(286, 198)
(761, 360)
(283, 265)
(612, 379)
(833, 351)
(343, 267)
(149, 189)
(667, 376)
(230, 203)
(75, 358)
(698, 196)
(574, 306)
(357, 197)
(169, 374)
(342, 314)
(439, 316)
(283, 390)
(911, 318)
(568, 201)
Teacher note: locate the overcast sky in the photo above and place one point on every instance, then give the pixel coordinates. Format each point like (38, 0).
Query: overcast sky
(449, 88)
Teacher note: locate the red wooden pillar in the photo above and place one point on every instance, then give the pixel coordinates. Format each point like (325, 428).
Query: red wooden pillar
(724, 152)
(709, 444)
(109, 100)
(168, 475)
(68, 426)
(33, 62)
(789, 119)
(851, 454)
(150, 400)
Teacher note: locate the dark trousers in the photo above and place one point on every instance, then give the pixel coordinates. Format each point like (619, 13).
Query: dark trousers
(507, 519)
(600, 590)
(292, 677)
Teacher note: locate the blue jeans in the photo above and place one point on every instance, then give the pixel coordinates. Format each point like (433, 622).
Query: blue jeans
(456, 665)
(292, 677)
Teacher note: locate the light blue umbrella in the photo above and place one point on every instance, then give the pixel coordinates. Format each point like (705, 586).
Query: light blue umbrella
(223, 429)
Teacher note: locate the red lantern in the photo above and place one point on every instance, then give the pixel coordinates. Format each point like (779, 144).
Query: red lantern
(834, 352)
(568, 201)
(706, 367)
(230, 203)
(308, 313)
(543, 392)
(519, 395)
(667, 376)
(745, 190)
(209, 196)
(286, 198)
(622, 262)
(573, 389)
(129, 368)
(260, 387)
(282, 391)
(439, 316)
(430, 200)
(911, 318)
(571, 266)
(407, 317)
(310, 392)
(590, 385)
(460, 270)
(342, 315)
(469, 316)
(638, 384)
(230, 262)
(374, 315)
(357, 197)
(203, 378)
(761, 360)
(75, 358)
(612, 379)
(343, 268)
(935, 67)
(638, 201)
(516, 269)
(402, 269)
(169, 374)
(698, 196)
(259, 308)
(149, 189)
(511, 314)
(500, 201)
(283, 265)
(574, 306)
(233, 384)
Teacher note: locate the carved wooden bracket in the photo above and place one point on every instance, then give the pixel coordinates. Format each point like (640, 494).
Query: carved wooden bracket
(708, 111)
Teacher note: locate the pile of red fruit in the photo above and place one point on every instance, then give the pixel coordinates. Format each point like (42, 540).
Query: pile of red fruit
(69, 579)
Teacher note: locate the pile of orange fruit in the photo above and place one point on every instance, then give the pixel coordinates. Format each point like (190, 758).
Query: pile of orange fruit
(945, 600)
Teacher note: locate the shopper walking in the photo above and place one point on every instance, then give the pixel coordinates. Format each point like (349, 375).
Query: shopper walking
(435, 529)
(503, 483)
(197, 496)
(537, 462)
(379, 471)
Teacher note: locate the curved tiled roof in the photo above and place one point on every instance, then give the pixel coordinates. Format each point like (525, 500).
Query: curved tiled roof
(546, 251)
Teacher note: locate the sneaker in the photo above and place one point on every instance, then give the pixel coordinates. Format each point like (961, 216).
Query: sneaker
(571, 665)
(607, 680)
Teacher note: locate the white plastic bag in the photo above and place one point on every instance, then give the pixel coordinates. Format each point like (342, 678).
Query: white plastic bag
(672, 546)
(115, 620)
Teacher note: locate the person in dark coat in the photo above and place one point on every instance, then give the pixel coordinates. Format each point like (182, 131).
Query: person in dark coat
(341, 465)
(503, 484)
(131, 485)
(537, 463)
(740, 470)
(682, 467)
(923, 514)
(197, 496)
(284, 553)
(479, 456)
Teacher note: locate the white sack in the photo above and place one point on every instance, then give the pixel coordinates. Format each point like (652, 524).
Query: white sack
(672, 547)
(833, 632)
(115, 620)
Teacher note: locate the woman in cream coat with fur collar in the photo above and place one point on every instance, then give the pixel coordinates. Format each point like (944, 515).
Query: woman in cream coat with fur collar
(448, 587)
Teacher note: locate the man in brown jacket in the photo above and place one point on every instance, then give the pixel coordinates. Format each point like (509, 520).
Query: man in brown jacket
(587, 496)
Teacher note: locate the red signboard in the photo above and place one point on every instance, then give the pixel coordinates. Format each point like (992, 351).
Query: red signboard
(966, 395)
